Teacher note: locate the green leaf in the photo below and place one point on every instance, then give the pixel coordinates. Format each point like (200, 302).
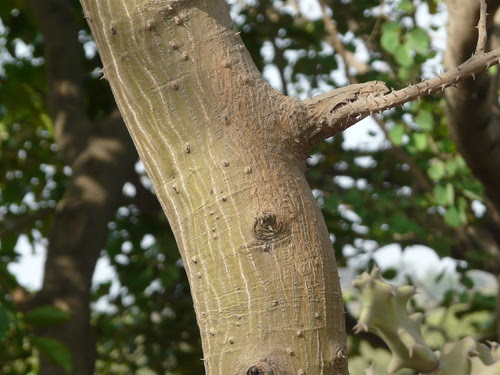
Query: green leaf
(418, 40)
(4, 134)
(461, 164)
(309, 27)
(473, 186)
(390, 36)
(451, 167)
(390, 273)
(450, 193)
(462, 209)
(391, 27)
(402, 224)
(420, 141)
(425, 120)
(403, 55)
(436, 170)
(452, 217)
(54, 350)
(396, 134)
(4, 322)
(492, 71)
(331, 202)
(467, 281)
(405, 73)
(440, 195)
(47, 123)
(472, 195)
(406, 6)
(45, 316)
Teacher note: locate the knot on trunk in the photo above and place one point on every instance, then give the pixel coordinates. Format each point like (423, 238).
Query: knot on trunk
(265, 366)
(267, 226)
(258, 370)
(339, 359)
(270, 232)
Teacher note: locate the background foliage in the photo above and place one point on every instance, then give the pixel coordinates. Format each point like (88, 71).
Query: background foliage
(406, 185)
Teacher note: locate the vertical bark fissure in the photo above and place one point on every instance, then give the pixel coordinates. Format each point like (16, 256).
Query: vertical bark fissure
(219, 147)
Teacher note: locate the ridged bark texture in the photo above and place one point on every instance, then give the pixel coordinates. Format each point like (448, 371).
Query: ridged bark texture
(222, 150)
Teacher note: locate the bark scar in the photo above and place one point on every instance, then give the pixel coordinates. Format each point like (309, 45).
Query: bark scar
(270, 232)
(322, 105)
(351, 93)
(267, 226)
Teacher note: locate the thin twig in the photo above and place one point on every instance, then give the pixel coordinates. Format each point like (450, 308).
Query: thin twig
(279, 60)
(19, 224)
(481, 28)
(335, 41)
(377, 25)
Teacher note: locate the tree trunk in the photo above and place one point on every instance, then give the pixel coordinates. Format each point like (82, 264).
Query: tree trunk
(226, 154)
(102, 159)
(473, 116)
(77, 237)
(474, 121)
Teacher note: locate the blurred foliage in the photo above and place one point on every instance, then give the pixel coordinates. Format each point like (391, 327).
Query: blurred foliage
(371, 196)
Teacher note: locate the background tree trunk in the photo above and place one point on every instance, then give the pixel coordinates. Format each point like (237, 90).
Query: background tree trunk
(227, 159)
(102, 159)
(473, 119)
(78, 235)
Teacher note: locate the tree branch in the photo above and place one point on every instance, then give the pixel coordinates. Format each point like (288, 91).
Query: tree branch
(422, 180)
(472, 113)
(481, 28)
(339, 109)
(279, 60)
(16, 225)
(336, 111)
(335, 41)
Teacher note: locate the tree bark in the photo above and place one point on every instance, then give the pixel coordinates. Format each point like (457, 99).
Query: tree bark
(102, 159)
(226, 154)
(472, 110)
